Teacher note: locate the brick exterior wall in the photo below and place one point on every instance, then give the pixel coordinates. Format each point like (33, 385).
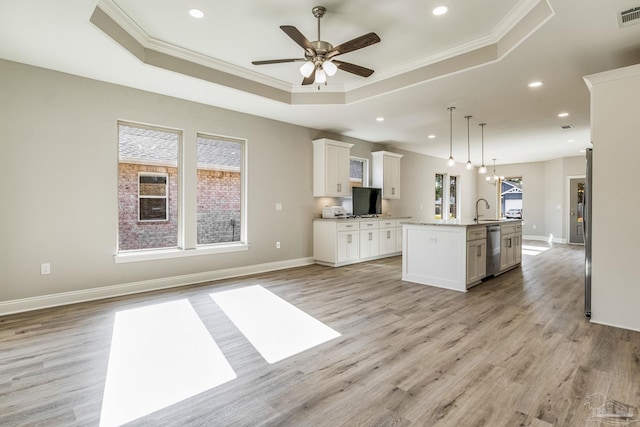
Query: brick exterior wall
(218, 213)
(218, 206)
(133, 234)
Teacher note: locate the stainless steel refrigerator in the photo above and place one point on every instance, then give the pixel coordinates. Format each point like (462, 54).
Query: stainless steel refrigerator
(586, 224)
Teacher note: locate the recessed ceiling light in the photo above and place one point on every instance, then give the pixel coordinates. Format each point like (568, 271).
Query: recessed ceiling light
(196, 13)
(431, 136)
(440, 10)
(535, 84)
(572, 140)
(380, 119)
(563, 114)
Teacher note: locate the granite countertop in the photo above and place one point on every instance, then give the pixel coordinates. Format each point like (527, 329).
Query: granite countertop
(359, 218)
(464, 223)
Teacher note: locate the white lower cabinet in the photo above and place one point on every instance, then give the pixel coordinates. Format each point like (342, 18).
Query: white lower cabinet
(388, 237)
(476, 255)
(510, 246)
(348, 246)
(518, 248)
(347, 241)
(369, 239)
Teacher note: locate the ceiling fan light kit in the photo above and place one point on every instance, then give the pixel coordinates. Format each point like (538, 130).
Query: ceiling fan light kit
(318, 55)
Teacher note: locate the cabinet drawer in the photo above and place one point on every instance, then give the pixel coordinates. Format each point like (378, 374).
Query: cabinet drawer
(507, 229)
(476, 233)
(387, 224)
(348, 226)
(369, 225)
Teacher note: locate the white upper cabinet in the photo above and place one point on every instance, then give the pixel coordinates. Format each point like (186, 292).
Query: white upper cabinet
(386, 173)
(331, 168)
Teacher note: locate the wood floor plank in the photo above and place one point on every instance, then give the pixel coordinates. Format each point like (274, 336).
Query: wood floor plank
(514, 351)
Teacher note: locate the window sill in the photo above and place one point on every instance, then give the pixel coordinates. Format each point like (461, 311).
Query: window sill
(152, 255)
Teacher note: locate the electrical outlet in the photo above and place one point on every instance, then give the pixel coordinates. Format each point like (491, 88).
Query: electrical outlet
(277, 245)
(45, 268)
(533, 226)
(278, 206)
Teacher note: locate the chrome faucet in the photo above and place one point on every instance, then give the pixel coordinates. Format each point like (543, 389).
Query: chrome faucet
(477, 218)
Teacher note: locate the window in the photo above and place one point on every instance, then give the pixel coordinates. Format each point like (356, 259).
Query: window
(151, 177)
(439, 195)
(147, 187)
(453, 197)
(446, 206)
(153, 200)
(511, 197)
(219, 189)
(358, 172)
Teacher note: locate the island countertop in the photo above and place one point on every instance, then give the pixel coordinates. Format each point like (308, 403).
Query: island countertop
(463, 223)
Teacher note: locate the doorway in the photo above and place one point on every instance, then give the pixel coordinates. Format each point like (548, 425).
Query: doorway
(576, 210)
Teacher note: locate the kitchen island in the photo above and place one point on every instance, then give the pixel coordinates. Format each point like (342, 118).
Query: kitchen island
(454, 254)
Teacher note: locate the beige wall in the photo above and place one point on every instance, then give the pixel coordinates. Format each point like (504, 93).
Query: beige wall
(614, 132)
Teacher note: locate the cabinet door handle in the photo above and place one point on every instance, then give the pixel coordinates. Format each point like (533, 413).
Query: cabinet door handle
(509, 242)
(388, 234)
(349, 238)
(339, 187)
(393, 190)
(479, 252)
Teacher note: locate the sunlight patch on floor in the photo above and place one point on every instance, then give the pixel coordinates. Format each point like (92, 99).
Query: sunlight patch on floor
(274, 327)
(533, 250)
(160, 354)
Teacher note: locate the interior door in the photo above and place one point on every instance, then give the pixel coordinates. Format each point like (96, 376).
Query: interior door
(576, 210)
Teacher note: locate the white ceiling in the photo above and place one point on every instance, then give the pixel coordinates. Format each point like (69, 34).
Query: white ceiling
(423, 64)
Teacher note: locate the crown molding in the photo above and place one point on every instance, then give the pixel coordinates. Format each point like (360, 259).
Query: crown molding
(522, 21)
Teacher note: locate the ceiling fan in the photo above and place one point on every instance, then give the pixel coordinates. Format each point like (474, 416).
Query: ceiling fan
(318, 55)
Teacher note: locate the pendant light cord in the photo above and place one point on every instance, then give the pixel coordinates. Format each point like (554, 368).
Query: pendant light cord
(482, 125)
(451, 132)
(468, 139)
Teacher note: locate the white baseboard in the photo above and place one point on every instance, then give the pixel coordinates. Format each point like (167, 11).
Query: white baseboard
(614, 325)
(545, 239)
(53, 300)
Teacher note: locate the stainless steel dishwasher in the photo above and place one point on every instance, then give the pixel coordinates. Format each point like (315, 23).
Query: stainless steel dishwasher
(493, 249)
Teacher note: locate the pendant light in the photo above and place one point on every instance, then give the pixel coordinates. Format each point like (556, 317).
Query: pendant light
(469, 164)
(451, 161)
(483, 168)
(493, 179)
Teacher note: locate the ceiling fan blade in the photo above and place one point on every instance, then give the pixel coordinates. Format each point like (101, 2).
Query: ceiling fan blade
(277, 61)
(297, 37)
(309, 80)
(353, 68)
(355, 44)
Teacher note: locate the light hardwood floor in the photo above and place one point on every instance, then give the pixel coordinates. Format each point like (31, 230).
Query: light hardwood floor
(514, 351)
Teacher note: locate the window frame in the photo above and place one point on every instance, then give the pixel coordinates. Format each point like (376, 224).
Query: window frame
(452, 179)
(243, 190)
(442, 197)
